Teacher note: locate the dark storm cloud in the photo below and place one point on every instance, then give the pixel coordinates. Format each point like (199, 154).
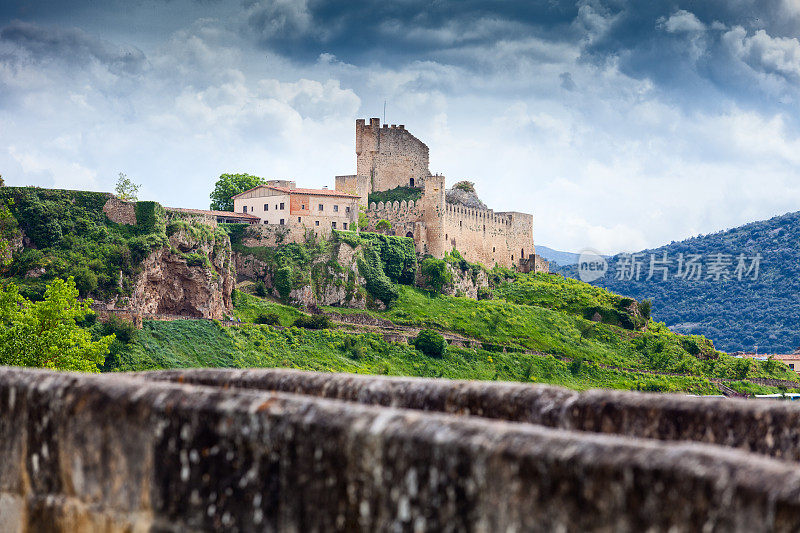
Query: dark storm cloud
(745, 49)
(693, 49)
(364, 30)
(71, 46)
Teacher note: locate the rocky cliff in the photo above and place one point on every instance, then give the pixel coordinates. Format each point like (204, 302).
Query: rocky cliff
(332, 278)
(129, 257)
(189, 277)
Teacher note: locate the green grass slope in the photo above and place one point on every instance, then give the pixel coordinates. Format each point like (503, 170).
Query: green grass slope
(577, 348)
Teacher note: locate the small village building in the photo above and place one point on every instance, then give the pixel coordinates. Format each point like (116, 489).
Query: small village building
(792, 360)
(280, 202)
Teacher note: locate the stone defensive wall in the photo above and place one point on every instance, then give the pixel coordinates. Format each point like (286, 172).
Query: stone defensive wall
(487, 237)
(403, 216)
(289, 451)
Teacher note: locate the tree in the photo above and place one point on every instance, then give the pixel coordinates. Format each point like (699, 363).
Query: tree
(45, 334)
(228, 186)
(435, 273)
(383, 226)
(126, 189)
(430, 343)
(363, 219)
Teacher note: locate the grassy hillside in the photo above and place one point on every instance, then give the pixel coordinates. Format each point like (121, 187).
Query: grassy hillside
(579, 347)
(196, 343)
(737, 315)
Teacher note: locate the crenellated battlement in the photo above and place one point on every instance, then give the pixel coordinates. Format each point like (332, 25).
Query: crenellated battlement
(389, 156)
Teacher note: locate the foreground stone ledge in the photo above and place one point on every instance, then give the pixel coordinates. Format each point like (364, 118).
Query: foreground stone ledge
(764, 427)
(120, 453)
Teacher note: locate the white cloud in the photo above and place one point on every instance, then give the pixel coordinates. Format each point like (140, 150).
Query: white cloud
(682, 21)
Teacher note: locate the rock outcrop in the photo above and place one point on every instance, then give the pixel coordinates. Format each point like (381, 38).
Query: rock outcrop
(190, 277)
(336, 283)
(462, 195)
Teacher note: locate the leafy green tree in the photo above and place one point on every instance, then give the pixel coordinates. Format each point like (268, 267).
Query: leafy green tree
(435, 273)
(45, 334)
(430, 343)
(228, 186)
(363, 219)
(126, 189)
(383, 226)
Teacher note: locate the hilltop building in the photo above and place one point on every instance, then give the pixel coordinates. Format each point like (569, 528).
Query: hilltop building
(281, 202)
(388, 157)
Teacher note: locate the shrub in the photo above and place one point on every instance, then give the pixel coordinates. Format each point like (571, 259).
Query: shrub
(260, 288)
(466, 186)
(312, 322)
(645, 306)
(383, 226)
(576, 365)
(85, 281)
(430, 343)
(268, 318)
(283, 281)
(485, 293)
(435, 273)
(124, 330)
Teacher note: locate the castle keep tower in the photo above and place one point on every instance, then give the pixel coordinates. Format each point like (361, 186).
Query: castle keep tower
(389, 157)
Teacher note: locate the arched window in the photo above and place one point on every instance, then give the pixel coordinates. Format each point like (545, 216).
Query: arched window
(522, 254)
(411, 182)
(409, 234)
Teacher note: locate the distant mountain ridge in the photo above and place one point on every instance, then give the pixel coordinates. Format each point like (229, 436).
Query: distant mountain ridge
(760, 314)
(557, 256)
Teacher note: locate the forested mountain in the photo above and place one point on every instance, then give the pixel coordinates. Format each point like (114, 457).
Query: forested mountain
(761, 310)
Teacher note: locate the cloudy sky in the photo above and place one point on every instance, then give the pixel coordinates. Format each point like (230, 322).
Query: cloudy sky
(620, 124)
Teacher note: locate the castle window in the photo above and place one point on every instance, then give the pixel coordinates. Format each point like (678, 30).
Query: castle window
(445, 236)
(320, 207)
(282, 221)
(244, 209)
(512, 257)
(411, 182)
(409, 234)
(344, 225)
(460, 224)
(265, 222)
(522, 254)
(266, 207)
(299, 219)
(303, 206)
(347, 209)
(335, 208)
(492, 249)
(333, 225)
(281, 205)
(316, 222)
(484, 227)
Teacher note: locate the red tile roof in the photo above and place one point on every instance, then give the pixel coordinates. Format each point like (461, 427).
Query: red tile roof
(230, 214)
(316, 192)
(775, 356)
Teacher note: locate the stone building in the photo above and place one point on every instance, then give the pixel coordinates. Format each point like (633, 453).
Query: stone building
(388, 157)
(281, 203)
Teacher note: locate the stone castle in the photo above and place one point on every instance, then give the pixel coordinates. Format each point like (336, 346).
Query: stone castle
(388, 157)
